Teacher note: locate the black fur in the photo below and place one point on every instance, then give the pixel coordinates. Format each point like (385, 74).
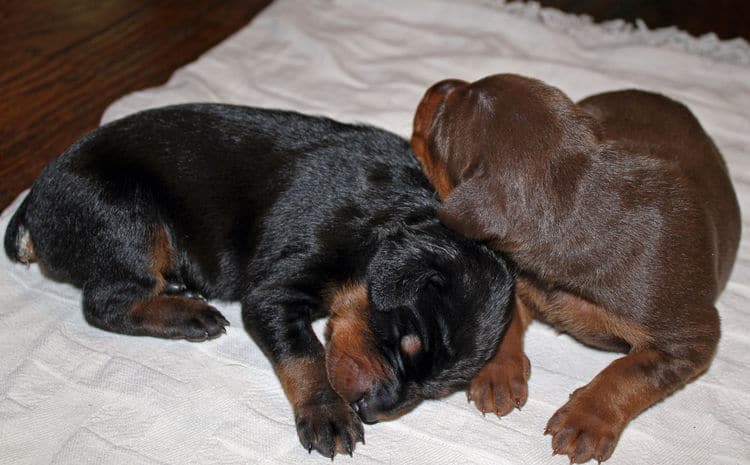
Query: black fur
(269, 208)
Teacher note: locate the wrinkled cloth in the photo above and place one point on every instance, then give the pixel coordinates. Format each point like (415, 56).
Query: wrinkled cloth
(73, 394)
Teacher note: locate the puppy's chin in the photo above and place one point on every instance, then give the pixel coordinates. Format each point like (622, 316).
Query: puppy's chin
(388, 416)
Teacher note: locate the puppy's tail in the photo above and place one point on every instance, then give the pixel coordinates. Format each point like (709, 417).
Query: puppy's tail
(18, 245)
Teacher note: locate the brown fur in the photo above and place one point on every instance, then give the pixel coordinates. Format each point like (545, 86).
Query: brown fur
(434, 168)
(352, 360)
(586, 321)
(159, 314)
(501, 385)
(161, 258)
(620, 216)
(302, 379)
(305, 385)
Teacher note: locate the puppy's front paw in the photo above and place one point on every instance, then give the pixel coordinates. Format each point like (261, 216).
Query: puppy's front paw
(584, 428)
(330, 428)
(501, 385)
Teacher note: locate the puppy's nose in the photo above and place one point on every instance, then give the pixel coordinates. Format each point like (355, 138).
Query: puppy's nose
(365, 413)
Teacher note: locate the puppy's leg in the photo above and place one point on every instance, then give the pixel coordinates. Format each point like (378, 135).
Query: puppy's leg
(279, 321)
(137, 300)
(147, 315)
(502, 384)
(590, 423)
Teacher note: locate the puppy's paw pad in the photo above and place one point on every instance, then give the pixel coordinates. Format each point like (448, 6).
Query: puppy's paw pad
(501, 385)
(583, 431)
(329, 428)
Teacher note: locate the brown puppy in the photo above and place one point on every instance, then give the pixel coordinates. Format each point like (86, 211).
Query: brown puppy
(621, 218)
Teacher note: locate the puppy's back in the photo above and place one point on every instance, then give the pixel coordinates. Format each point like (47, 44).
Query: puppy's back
(667, 128)
(218, 174)
(665, 131)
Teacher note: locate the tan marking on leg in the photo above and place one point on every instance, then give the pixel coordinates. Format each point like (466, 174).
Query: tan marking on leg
(317, 407)
(160, 313)
(161, 256)
(590, 423)
(303, 379)
(175, 317)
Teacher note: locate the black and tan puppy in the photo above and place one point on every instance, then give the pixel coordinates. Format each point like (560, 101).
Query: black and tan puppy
(294, 216)
(623, 224)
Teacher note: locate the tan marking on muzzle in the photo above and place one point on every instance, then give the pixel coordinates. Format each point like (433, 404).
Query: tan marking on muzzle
(353, 364)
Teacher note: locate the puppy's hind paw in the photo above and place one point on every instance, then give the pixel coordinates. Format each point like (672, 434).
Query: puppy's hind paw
(177, 318)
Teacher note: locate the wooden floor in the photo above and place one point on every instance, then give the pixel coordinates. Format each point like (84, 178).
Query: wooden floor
(726, 18)
(63, 62)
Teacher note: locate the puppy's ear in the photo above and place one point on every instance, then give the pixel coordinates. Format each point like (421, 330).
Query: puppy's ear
(431, 106)
(401, 275)
(474, 211)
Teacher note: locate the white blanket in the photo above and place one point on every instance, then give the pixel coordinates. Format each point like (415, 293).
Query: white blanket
(70, 393)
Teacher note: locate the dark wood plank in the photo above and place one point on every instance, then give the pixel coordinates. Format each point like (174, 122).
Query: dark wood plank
(727, 18)
(62, 63)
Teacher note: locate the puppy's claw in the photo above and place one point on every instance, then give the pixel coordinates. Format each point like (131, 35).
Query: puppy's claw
(328, 426)
(348, 444)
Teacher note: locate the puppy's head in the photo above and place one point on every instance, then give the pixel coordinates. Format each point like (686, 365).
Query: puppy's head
(503, 138)
(429, 314)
